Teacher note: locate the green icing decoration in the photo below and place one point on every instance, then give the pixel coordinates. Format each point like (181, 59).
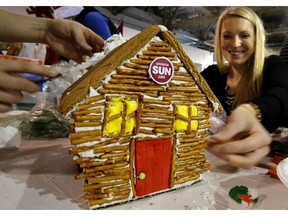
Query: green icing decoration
(233, 193)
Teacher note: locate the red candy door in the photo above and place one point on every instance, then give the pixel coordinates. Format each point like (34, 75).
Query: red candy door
(152, 163)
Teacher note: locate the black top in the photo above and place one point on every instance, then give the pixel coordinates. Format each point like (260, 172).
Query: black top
(274, 100)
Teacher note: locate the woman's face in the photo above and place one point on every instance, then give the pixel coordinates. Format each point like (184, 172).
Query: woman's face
(237, 40)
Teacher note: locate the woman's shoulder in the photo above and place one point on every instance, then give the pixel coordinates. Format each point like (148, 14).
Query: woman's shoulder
(211, 71)
(272, 59)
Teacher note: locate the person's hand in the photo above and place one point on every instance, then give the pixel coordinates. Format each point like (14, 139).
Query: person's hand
(243, 142)
(71, 39)
(12, 83)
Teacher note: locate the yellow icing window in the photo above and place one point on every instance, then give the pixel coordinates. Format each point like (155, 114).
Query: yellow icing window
(120, 110)
(183, 118)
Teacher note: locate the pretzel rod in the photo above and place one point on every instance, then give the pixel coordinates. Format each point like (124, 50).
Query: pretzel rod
(185, 163)
(125, 140)
(190, 153)
(86, 106)
(83, 112)
(188, 139)
(182, 181)
(138, 139)
(133, 88)
(185, 79)
(131, 163)
(159, 130)
(131, 72)
(82, 134)
(199, 117)
(110, 149)
(140, 61)
(104, 167)
(95, 196)
(204, 126)
(151, 53)
(184, 150)
(95, 163)
(182, 74)
(177, 94)
(88, 124)
(159, 49)
(186, 168)
(187, 136)
(196, 157)
(111, 118)
(95, 98)
(107, 178)
(122, 193)
(148, 115)
(119, 171)
(111, 155)
(145, 57)
(188, 145)
(145, 100)
(85, 175)
(77, 159)
(169, 112)
(180, 99)
(174, 156)
(91, 187)
(145, 131)
(160, 43)
(84, 140)
(151, 106)
(189, 120)
(132, 81)
(155, 121)
(151, 125)
(136, 66)
(123, 123)
(181, 89)
(181, 117)
(186, 174)
(77, 150)
(130, 76)
(129, 116)
(93, 202)
(88, 117)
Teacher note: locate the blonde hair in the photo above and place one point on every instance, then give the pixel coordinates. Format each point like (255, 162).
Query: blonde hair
(251, 82)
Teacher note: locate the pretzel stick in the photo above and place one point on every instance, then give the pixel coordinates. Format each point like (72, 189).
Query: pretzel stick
(82, 134)
(169, 112)
(188, 145)
(190, 153)
(160, 49)
(180, 99)
(151, 106)
(88, 124)
(107, 178)
(140, 61)
(131, 72)
(91, 187)
(84, 140)
(138, 139)
(111, 155)
(182, 181)
(204, 126)
(145, 100)
(134, 88)
(104, 167)
(148, 115)
(83, 112)
(145, 131)
(190, 157)
(187, 168)
(184, 79)
(155, 121)
(155, 125)
(145, 57)
(111, 118)
(181, 89)
(119, 171)
(182, 74)
(136, 66)
(159, 130)
(93, 202)
(90, 117)
(85, 175)
(187, 136)
(151, 53)
(122, 193)
(186, 174)
(133, 82)
(160, 43)
(184, 163)
(181, 117)
(95, 196)
(189, 140)
(110, 149)
(130, 76)
(86, 106)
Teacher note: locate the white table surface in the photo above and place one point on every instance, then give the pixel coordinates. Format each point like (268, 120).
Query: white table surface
(40, 175)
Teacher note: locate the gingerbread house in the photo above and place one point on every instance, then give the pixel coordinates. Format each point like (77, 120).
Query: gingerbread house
(139, 120)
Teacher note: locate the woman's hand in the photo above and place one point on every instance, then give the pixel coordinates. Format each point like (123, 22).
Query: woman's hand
(12, 83)
(71, 39)
(243, 142)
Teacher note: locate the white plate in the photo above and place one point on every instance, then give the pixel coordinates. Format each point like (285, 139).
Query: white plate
(282, 171)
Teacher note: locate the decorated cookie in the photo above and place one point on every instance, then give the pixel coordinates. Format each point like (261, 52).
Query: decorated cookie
(244, 195)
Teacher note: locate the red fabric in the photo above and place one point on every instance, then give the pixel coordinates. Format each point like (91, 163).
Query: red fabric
(153, 158)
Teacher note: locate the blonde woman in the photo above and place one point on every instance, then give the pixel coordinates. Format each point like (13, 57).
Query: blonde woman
(251, 87)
